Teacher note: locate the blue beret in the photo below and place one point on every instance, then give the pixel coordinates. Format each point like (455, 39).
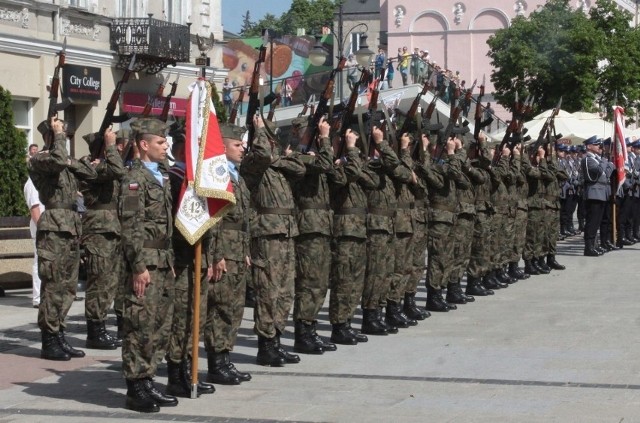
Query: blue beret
(593, 140)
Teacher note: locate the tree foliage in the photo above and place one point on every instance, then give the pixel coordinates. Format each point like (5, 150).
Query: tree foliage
(555, 53)
(311, 15)
(13, 151)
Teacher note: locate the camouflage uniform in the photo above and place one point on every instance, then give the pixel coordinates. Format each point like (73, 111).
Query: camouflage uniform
(55, 175)
(101, 239)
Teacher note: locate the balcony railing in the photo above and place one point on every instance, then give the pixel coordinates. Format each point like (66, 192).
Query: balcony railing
(157, 43)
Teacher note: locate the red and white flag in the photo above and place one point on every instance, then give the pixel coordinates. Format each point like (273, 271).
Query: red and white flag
(207, 192)
(618, 146)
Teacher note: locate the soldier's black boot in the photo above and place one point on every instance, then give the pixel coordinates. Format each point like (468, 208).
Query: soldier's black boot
(411, 309)
(267, 353)
(359, 336)
(371, 324)
(326, 346)
(219, 371)
(542, 265)
(435, 302)
(176, 384)
(304, 342)
(475, 287)
(396, 317)
(51, 349)
(340, 334)
(161, 399)
(552, 263)
(138, 399)
(455, 294)
(287, 356)
(185, 373)
(530, 268)
(97, 338)
(62, 341)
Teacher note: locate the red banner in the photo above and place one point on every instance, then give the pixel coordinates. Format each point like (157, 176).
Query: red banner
(133, 103)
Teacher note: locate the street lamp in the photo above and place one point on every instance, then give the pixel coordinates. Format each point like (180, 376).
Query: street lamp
(318, 55)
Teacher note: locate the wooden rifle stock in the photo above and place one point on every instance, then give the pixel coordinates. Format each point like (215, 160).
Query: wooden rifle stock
(254, 96)
(234, 110)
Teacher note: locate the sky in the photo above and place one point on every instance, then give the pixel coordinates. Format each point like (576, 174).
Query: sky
(233, 11)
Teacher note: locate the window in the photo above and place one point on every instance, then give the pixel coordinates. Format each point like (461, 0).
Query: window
(23, 116)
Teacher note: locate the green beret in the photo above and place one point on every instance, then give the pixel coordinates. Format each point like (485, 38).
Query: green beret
(149, 126)
(229, 130)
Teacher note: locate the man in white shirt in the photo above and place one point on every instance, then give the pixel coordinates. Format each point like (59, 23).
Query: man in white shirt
(35, 209)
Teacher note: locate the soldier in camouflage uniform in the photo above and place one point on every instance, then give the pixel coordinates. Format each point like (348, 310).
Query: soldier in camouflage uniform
(229, 251)
(267, 175)
(102, 244)
(147, 226)
(349, 204)
(55, 175)
(179, 332)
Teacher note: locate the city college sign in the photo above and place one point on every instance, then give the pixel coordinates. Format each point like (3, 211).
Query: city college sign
(81, 82)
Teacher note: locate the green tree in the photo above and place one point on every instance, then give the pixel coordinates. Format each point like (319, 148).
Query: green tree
(13, 150)
(555, 52)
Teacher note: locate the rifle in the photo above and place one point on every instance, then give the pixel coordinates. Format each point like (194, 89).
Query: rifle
(234, 110)
(167, 101)
(273, 107)
(151, 99)
(97, 147)
(54, 106)
(254, 96)
(310, 134)
(347, 115)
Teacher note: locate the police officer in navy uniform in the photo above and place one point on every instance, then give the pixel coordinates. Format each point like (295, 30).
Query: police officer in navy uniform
(595, 192)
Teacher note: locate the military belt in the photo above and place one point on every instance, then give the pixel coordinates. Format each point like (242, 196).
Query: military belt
(352, 210)
(274, 210)
(444, 207)
(58, 205)
(158, 244)
(406, 205)
(102, 206)
(315, 207)
(382, 212)
(233, 226)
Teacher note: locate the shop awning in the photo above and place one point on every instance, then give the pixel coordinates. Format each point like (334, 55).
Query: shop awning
(134, 103)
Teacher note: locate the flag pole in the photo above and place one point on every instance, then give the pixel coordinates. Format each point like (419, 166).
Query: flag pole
(195, 330)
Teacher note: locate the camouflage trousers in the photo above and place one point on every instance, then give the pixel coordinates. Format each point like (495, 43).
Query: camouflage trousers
(403, 266)
(349, 266)
(535, 234)
(376, 283)
(520, 229)
(103, 262)
(313, 265)
(551, 226)
(180, 332)
(508, 235)
(274, 270)
(58, 262)
(419, 255)
(225, 308)
(462, 236)
(440, 250)
(480, 256)
(147, 320)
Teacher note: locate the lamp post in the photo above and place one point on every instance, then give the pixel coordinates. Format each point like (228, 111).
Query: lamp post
(318, 55)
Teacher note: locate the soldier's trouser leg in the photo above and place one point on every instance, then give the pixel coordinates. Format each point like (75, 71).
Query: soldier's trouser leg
(419, 255)
(552, 218)
(144, 318)
(104, 260)
(402, 268)
(520, 230)
(378, 246)
(225, 308)
(274, 266)
(462, 235)
(440, 248)
(58, 262)
(313, 264)
(348, 282)
(533, 241)
(480, 252)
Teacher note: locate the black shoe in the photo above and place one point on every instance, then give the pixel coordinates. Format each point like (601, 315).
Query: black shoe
(552, 263)
(138, 399)
(411, 309)
(161, 399)
(97, 337)
(305, 343)
(177, 384)
(435, 302)
(268, 354)
(475, 287)
(62, 341)
(286, 356)
(51, 349)
(326, 346)
(243, 376)
(219, 372)
(395, 316)
(340, 334)
(371, 324)
(359, 336)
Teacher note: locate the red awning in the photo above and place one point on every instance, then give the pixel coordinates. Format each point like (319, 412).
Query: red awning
(134, 103)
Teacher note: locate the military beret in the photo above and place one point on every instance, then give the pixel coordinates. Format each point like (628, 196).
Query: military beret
(229, 130)
(593, 140)
(300, 121)
(149, 126)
